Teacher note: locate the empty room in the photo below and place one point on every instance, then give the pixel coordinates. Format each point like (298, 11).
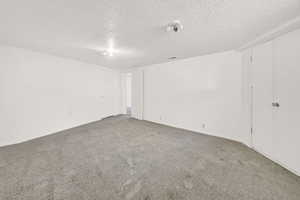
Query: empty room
(150, 100)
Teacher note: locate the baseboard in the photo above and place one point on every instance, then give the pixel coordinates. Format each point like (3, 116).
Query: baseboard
(170, 125)
(277, 161)
(54, 132)
(194, 130)
(232, 139)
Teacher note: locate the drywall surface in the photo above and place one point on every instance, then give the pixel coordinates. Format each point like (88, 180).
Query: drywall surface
(42, 94)
(123, 86)
(128, 90)
(202, 94)
(137, 93)
(286, 118)
(274, 77)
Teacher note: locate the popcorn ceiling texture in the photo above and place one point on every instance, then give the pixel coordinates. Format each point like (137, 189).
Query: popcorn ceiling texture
(121, 158)
(80, 29)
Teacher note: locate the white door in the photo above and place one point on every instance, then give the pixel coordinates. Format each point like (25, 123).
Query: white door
(287, 93)
(275, 73)
(262, 97)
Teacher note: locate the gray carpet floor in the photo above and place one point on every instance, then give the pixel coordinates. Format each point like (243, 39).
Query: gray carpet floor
(123, 158)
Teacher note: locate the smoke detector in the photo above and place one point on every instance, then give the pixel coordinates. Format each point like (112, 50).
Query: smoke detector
(174, 26)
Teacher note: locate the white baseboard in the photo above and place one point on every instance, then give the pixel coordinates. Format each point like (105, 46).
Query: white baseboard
(277, 162)
(233, 139)
(18, 141)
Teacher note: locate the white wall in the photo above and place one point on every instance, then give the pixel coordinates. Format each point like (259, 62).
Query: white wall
(287, 87)
(137, 101)
(274, 75)
(42, 94)
(128, 90)
(212, 94)
(202, 94)
(123, 82)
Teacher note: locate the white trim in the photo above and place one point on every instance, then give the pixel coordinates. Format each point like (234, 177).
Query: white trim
(277, 162)
(276, 32)
(143, 94)
(272, 159)
(231, 139)
(202, 132)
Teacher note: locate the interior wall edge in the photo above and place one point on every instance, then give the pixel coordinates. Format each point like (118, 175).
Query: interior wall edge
(51, 133)
(282, 29)
(208, 133)
(288, 36)
(225, 67)
(36, 50)
(277, 161)
(42, 94)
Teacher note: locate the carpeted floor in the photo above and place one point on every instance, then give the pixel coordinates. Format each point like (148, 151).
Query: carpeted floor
(122, 158)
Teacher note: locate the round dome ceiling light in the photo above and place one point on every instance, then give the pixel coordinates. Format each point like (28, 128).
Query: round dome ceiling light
(104, 53)
(174, 26)
(108, 52)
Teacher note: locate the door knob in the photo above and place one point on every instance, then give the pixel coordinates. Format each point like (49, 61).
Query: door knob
(275, 104)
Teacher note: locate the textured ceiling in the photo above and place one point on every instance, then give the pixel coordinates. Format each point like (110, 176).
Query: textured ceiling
(81, 28)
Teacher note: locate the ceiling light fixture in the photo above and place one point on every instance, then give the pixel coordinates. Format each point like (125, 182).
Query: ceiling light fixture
(104, 53)
(110, 51)
(174, 26)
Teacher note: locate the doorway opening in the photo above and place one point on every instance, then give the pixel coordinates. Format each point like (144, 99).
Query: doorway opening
(128, 93)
